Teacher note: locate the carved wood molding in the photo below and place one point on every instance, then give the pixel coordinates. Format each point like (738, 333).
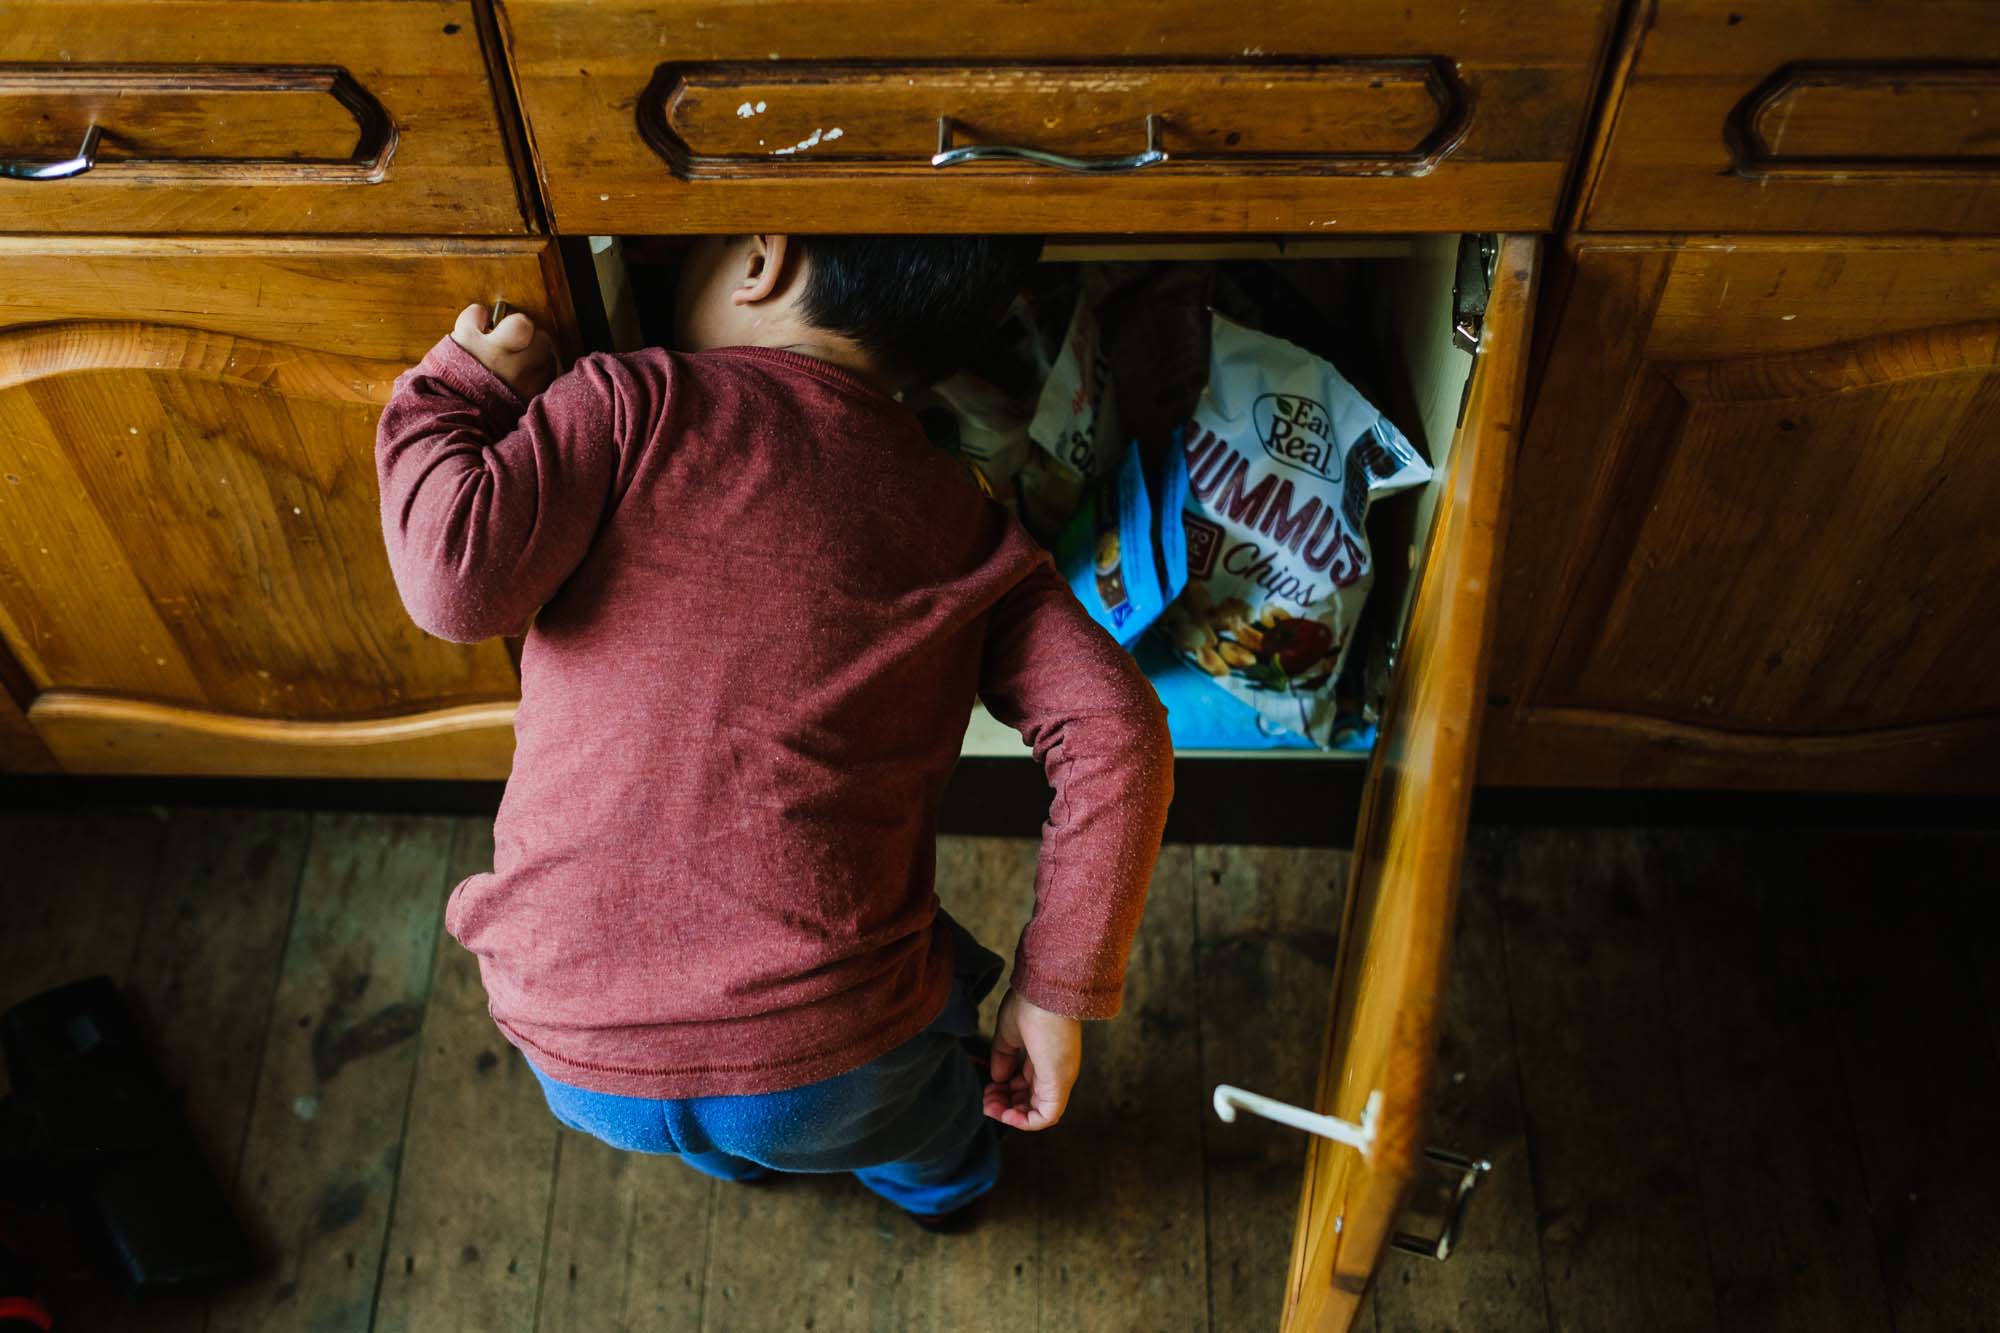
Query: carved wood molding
(1889, 119)
(1389, 116)
(109, 90)
(1944, 732)
(99, 734)
(38, 351)
(1956, 349)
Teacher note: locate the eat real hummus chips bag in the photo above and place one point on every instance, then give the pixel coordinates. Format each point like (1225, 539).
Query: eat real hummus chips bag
(1283, 458)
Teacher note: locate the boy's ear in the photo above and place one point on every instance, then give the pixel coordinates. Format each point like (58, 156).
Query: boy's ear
(763, 270)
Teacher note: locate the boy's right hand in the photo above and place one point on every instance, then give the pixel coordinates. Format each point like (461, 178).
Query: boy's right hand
(1036, 1056)
(514, 349)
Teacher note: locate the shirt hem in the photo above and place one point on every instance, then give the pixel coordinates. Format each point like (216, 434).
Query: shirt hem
(686, 1081)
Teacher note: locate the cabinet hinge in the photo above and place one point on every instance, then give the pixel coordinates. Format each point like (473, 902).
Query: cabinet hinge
(1471, 289)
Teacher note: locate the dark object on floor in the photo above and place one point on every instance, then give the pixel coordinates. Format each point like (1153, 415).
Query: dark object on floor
(956, 1222)
(20, 1311)
(93, 1123)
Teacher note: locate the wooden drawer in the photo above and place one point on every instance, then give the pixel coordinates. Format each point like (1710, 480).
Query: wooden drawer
(656, 116)
(253, 116)
(192, 575)
(1803, 116)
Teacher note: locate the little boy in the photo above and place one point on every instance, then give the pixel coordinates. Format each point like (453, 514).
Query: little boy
(762, 606)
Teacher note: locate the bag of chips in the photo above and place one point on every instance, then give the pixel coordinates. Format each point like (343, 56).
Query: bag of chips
(1284, 459)
(1123, 551)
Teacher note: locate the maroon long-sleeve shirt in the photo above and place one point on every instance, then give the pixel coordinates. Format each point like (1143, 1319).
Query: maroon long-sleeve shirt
(762, 605)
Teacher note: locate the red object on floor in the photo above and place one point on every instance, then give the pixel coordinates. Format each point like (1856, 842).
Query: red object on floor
(21, 1307)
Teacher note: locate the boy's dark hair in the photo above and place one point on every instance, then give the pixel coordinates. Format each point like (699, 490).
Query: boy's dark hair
(920, 305)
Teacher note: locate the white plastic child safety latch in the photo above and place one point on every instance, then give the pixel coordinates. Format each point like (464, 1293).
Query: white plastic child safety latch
(1229, 1100)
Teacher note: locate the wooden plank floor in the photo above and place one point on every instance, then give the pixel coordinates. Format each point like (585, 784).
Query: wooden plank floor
(1728, 1081)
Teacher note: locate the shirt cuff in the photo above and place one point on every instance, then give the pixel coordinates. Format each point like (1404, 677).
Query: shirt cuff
(1046, 992)
(499, 406)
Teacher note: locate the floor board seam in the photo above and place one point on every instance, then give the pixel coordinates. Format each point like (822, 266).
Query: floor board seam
(410, 1089)
(1670, 949)
(264, 1047)
(1521, 1094)
(707, 1256)
(1201, 1063)
(1854, 1137)
(548, 1229)
(152, 891)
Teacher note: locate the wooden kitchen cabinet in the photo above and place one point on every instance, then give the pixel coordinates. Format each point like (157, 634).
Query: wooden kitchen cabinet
(1395, 931)
(651, 116)
(371, 117)
(192, 575)
(1762, 476)
(1829, 116)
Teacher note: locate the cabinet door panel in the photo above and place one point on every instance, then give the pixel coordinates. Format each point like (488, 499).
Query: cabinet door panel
(223, 545)
(1402, 896)
(1761, 560)
(192, 576)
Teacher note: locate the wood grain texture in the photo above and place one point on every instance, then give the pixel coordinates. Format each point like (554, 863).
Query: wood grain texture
(627, 1241)
(1121, 1206)
(1802, 116)
(76, 891)
(1892, 120)
(289, 123)
(192, 577)
(203, 976)
(446, 171)
(1905, 1006)
(1759, 474)
(1494, 1278)
(479, 1154)
(579, 77)
(385, 299)
(733, 120)
(21, 750)
(1265, 939)
(1615, 1167)
(245, 468)
(93, 734)
(1390, 978)
(74, 888)
(326, 1131)
(1787, 1218)
(817, 1250)
(990, 1278)
(208, 960)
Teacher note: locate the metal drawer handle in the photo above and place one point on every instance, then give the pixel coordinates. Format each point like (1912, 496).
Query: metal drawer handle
(1471, 1170)
(85, 159)
(947, 156)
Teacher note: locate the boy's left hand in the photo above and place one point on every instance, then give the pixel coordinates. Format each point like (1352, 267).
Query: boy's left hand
(514, 349)
(1035, 1060)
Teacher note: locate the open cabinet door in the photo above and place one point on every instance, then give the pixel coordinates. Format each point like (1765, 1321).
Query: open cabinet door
(1382, 1033)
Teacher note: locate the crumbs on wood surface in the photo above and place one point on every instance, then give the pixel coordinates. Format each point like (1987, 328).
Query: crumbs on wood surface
(816, 138)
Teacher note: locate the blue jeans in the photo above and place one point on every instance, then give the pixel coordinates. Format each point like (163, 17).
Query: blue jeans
(907, 1124)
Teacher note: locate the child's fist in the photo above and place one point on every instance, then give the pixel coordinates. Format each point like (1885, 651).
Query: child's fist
(1036, 1056)
(514, 349)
